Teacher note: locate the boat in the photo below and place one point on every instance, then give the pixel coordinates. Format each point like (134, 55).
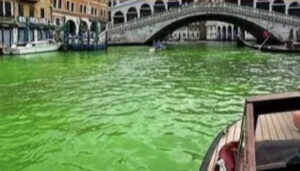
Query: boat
(32, 47)
(264, 139)
(269, 48)
(157, 46)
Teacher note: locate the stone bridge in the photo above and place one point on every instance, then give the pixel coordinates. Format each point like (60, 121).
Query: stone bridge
(282, 27)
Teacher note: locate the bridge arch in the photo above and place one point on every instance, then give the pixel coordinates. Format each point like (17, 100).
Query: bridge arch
(294, 9)
(145, 10)
(279, 6)
(247, 24)
(119, 17)
(132, 14)
(159, 6)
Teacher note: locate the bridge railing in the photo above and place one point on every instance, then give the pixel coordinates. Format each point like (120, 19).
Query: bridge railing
(209, 8)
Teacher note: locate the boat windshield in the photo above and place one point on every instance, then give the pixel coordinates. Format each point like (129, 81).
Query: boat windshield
(277, 142)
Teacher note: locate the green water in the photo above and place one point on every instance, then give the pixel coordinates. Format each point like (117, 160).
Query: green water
(128, 109)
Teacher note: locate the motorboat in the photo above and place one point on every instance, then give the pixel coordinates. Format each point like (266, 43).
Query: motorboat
(32, 47)
(266, 138)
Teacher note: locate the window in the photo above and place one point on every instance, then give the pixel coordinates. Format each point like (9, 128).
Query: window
(54, 3)
(84, 9)
(96, 11)
(72, 6)
(8, 12)
(42, 13)
(59, 4)
(1, 9)
(21, 10)
(68, 5)
(92, 11)
(31, 11)
(57, 21)
(81, 8)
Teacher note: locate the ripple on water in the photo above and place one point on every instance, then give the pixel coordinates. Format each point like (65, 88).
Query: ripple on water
(128, 109)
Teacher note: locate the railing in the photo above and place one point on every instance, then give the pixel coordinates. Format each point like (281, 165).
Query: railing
(209, 8)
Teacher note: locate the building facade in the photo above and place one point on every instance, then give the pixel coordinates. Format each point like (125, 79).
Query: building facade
(79, 14)
(193, 32)
(23, 21)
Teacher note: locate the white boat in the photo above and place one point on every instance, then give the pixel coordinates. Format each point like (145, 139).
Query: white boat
(32, 47)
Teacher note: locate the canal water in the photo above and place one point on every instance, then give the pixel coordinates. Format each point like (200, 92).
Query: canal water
(128, 109)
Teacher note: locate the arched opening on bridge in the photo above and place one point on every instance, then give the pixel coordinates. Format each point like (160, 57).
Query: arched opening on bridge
(229, 36)
(263, 4)
(119, 18)
(235, 32)
(159, 6)
(145, 10)
(294, 9)
(247, 3)
(232, 1)
(224, 33)
(131, 14)
(71, 27)
(173, 4)
(219, 33)
(187, 1)
(279, 6)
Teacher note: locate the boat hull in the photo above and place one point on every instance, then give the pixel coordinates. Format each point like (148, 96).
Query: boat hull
(30, 50)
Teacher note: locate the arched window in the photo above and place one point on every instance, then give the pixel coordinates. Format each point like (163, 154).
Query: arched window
(294, 9)
(279, 6)
(229, 36)
(173, 4)
(219, 33)
(159, 6)
(263, 4)
(71, 28)
(131, 14)
(232, 1)
(247, 3)
(119, 18)
(145, 10)
(187, 1)
(224, 33)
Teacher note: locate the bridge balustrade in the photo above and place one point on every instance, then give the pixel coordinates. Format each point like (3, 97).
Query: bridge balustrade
(211, 8)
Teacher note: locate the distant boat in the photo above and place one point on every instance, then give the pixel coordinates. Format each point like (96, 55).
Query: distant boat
(32, 47)
(157, 46)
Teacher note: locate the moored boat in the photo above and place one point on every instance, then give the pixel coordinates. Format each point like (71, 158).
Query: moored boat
(32, 47)
(266, 138)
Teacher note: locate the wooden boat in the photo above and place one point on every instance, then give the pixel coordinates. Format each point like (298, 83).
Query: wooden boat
(266, 138)
(269, 48)
(32, 47)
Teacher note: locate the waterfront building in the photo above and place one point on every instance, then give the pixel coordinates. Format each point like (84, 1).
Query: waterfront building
(24, 21)
(193, 32)
(79, 15)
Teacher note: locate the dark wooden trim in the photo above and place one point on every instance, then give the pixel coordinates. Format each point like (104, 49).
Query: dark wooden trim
(250, 138)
